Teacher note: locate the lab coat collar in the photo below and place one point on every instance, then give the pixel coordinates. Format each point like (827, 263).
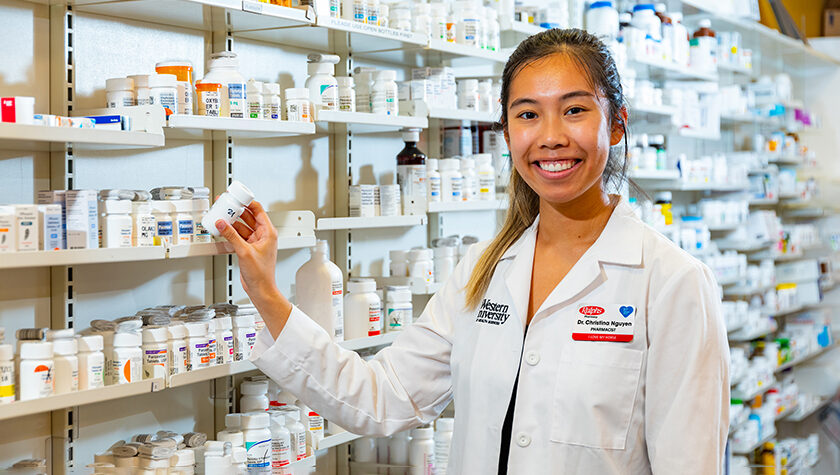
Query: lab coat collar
(619, 243)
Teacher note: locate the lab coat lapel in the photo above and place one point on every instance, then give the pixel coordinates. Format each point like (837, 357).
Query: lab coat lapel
(619, 243)
(518, 275)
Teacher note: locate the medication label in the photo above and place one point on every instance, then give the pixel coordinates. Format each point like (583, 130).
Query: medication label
(611, 322)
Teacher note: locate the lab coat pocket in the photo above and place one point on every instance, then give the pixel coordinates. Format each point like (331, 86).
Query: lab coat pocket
(594, 394)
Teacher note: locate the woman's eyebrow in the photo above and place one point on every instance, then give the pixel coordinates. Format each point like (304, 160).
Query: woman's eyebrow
(566, 96)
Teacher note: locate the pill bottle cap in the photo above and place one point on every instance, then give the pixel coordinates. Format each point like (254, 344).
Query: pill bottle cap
(140, 80)
(119, 84)
(344, 81)
(127, 339)
(161, 206)
(446, 424)
(241, 192)
(183, 206)
(255, 420)
(90, 343)
(420, 254)
(36, 350)
(196, 329)
(297, 93)
(422, 433)
(6, 352)
(254, 388)
(155, 335)
(65, 347)
(235, 437)
(243, 321)
(223, 323)
(386, 75)
(271, 88)
(355, 286)
(163, 80)
(64, 333)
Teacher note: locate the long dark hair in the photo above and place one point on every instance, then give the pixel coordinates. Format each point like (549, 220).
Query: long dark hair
(595, 60)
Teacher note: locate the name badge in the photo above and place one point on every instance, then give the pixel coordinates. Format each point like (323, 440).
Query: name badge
(611, 322)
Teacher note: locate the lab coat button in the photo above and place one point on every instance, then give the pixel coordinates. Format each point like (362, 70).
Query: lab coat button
(532, 358)
(523, 439)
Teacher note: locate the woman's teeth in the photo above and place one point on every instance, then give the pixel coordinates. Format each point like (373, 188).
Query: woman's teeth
(557, 166)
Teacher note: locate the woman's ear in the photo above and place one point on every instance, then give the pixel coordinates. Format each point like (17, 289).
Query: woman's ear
(619, 127)
(505, 134)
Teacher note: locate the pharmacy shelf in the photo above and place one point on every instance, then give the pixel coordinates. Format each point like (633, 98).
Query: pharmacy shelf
(369, 342)
(788, 411)
(653, 110)
(221, 247)
(757, 445)
(799, 417)
(650, 175)
(763, 201)
(211, 373)
(335, 440)
(742, 247)
(757, 392)
(786, 160)
(772, 255)
(680, 186)
(79, 398)
(746, 337)
(43, 139)
(74, 257)
(373, 222)
(201, 127)
(725, 227)
(460, 114)
(366, 123)
(699, 134)
(739, 119)
(665, 70)
(805, 358)
(522, 28)
(443, 50)
(417, 285)
(740, 291)
(798, 58)
(475, 205)
(730, 68)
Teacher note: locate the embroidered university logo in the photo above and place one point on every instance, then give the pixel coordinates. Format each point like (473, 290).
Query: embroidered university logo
(492, 313)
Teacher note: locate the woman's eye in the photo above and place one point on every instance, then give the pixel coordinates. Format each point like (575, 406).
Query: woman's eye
(575, 110)
(527, 115)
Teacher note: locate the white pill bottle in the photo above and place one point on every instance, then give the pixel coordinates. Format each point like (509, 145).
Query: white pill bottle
(228, 207)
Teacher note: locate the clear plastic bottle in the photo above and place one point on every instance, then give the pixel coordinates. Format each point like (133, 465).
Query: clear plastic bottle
(254, 99)
(411, 174)
(271, 109)
(319, 291)
(433, 180)
(383, 96)
(66, 365)
(398, 308)
(155, 352)
(421, 451)
(362, 309)
(230, 205)
(486, 176)
(451, 180)
(176, 346)
(469, 188)
(224, 69)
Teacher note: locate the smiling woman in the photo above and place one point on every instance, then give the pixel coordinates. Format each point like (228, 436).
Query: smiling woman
(578, 340)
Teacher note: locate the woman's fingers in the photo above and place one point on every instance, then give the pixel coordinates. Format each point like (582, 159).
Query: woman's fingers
(249, 219)
(243, 230)
(259, 213)
(233, 237)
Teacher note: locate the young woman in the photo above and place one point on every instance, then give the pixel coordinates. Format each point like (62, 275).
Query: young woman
(578, 341)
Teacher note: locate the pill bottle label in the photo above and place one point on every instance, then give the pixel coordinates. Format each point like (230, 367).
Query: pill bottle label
(271, 111)
(7, 382)
(42, 380)
(470, 31)
(316, 422)
(391, 101)
(434, 188)
(209, 103)
(346, 103)
(123, 370)
(185, 231)
(374, 319)
(199, 357)
(154, 363)
(224, 354)
(165, 98)
(281, 453)
(398, 316)
(457, 185)
(329, 96)
(96, 376)
(259, 455)
(338, 310)
(298, 111)
(254, 109)
(301, 444)
(178, 361)
(163, 234)
(252, 340)
(211, 350)
(359, 13)
(486, 184)
(145, 235)
(236, 95)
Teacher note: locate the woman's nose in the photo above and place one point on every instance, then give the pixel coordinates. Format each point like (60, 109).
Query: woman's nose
(553, 132)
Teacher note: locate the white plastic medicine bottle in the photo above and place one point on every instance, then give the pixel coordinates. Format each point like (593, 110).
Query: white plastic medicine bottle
(143, 224)
(7, 374)
(224, 69)
(245, 335)
(313, 423)
(155, 352)
(383, 96)
(36, 370)
(296, 430)
(91, 362)
(119, 92)
(198, 355)
(469, 183)
(421, 451)
(362, 309)
(486, 176)
(224, 340)
(163, 91)
(443, 441)
(433, 179)
(228, 207)
(176, 346)
(253, 92)
(398, 308)
(323, 88)
(298, 108)
(346, 94)
(257, 442)
(162, 211)
(66, 365)
(281, 443)
(183, 226)
(126, 359)
(116, 224)
(319, 291)
(271, 101)
(254, 396)
(451, 180)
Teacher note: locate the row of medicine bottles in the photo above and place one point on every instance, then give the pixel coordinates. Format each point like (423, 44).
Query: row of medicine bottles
(421, 451)
(91, 219)
(158, 342)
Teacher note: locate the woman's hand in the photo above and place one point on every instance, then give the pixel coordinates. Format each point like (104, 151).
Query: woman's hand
(254, 240)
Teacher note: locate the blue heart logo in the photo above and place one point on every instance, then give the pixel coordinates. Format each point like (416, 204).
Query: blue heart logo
(625, 311)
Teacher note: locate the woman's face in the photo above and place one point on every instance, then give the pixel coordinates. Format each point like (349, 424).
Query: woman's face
(558, 129)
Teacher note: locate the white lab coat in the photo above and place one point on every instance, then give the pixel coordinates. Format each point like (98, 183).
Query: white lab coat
(658, 404)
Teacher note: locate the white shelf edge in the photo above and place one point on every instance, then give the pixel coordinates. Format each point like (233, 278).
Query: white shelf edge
(37, 133)
(79, 398)
(809, 412)
(370, 342)
(379, 120)
(806, 358)
(208, 374)
(180, 122)
(474, 205)
(70, 257)
(332, 224)
(761, 442)
(466, 51)
(221, 247)
(350, 26)
(664, 175)
(417, 285)
(752, 336)
(335, 440)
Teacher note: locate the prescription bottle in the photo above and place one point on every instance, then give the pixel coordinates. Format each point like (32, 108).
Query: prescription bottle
(257, 442)
(36, 370)
(253, 92)
(198, 355)
(209, 98)
(176, 346)
(362, 309)
(224, 69)
(254, 396)
(163, 91)
(141, 89)
(298, 108)
(383, 96)
(91, 362)
(271, 101)
(183, 72)
(224, 340)
(119, 92)
(66, 366)
(398, 308)
(183, 226)
(116, 225)
(200, 208)
(155, 352)
(228, 207)
(162, 211)
(143, 223)
(421, 264)
(126, 358)
(245, 335)
(7, 374)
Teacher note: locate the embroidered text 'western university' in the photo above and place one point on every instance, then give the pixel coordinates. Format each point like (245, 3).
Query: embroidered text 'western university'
(492, 313)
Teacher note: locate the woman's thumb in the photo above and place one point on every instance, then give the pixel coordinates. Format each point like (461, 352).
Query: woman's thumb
(228, 232)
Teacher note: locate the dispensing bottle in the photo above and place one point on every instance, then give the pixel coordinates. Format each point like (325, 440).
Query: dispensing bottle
(319, 291)
(411, 174)
(322, 85)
